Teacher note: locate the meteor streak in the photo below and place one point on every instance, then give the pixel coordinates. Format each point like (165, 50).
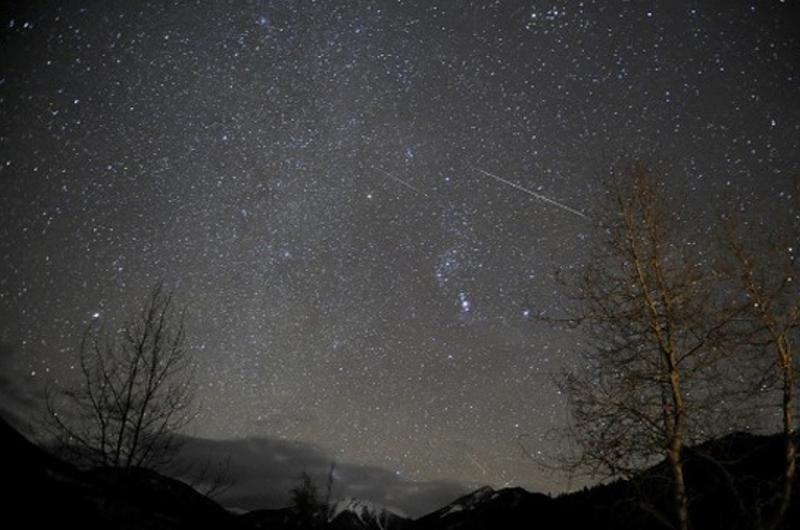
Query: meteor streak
(401, 181)
(533, 193)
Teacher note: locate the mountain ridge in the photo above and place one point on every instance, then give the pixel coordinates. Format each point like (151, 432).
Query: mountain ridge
(733, 481)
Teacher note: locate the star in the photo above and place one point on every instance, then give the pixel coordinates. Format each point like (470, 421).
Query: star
(304, 177)
(464, 302)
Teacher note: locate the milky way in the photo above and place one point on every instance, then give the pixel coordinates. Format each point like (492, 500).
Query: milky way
(303, 175)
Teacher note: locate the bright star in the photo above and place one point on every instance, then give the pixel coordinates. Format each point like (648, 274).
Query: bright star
(466, 305)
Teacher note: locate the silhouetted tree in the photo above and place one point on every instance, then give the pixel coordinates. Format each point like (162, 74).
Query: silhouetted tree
(764, 268)
(135, 391)
(308, 509)
(211, 479)
(654, 335)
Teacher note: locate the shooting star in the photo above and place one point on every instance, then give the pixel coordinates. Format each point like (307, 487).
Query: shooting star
(402, 182)
(477, 463)
(533, 193)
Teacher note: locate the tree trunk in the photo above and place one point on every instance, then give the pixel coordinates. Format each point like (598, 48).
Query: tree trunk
(790, 469)
(675, 450)
(679, 487)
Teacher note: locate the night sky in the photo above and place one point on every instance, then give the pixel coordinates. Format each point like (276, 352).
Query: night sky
(307, 177)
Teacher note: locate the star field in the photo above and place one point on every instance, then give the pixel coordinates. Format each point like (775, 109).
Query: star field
(306, 176)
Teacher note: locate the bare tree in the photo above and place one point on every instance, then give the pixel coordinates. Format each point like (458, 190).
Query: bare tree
(135, 391)
(210, 479)
(654, 334)
(308, 509)
(765, 269)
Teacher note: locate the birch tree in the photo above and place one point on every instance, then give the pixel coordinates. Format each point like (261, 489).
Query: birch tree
(647, 304)
(763, 265)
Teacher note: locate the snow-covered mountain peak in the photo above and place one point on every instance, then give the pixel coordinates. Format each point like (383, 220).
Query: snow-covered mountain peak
(479, 495)
(469, 501)
(368, 513)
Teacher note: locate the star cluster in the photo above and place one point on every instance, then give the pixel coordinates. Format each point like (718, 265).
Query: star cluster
(305, 175)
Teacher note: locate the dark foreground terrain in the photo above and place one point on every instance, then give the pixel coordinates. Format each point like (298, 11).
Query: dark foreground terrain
(733, 483)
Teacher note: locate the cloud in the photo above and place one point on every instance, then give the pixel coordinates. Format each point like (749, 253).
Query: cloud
(266, 469)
